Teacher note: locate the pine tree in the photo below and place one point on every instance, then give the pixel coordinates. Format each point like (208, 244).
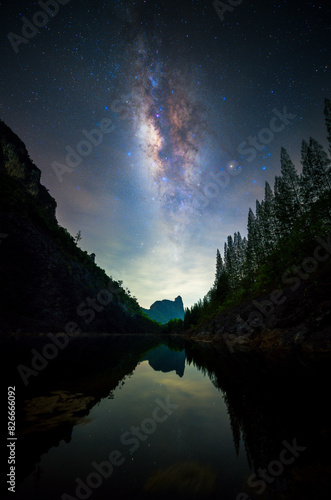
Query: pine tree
(327, 114)
(281, 210)
(220, 288)
(251, 260)
(287, 194)
(270, 229)
(236, 258)
(320, 166)
(239, 244)
(274, 219)
(243, 251)
(219, 268)
(229, 260)
(291, 179)
(259, 232)
(307, 192)
(187, 317)
(223, 287)
(315, 177)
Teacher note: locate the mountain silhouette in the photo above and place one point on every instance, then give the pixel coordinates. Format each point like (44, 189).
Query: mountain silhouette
(163, 311)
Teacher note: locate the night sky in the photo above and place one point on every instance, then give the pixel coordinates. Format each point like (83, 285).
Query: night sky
(156, 124)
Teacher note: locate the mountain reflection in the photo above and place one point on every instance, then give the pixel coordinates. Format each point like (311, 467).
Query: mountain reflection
(165, 360)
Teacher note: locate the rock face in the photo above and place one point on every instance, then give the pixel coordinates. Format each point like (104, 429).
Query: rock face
(163, 311)
(15, 162)
(47, 283)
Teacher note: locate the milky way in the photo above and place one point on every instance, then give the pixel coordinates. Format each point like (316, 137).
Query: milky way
(171, 123)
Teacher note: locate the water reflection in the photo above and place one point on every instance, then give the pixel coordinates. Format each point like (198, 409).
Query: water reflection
(276, 402)
(118, 417)
(166, 360)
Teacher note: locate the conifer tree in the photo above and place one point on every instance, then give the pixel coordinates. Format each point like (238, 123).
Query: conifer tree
(315, 177)
(270, 228)
(291, 179)
(239, 246)
(281, 210)
(306, 180)
(259, 233)
(251, 261)
(229, 259)
(220, 288)
(287, 194)
(274, 219)
(320, 166)
(327, 114)
(219, 268)
(236, 259)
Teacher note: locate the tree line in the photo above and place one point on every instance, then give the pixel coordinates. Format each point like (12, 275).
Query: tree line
(289, 216)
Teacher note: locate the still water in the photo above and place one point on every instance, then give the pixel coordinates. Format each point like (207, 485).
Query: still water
(132, 417)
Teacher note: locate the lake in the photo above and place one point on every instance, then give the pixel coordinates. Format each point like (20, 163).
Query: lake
(145, 417)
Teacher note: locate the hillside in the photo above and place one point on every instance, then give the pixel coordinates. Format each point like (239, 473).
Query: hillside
(301, 320)
(47, 283)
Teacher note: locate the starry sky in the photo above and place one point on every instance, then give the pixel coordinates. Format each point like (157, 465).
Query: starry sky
(156, 124)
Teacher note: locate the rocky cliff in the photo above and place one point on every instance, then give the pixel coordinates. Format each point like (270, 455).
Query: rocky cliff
(163, 311)
(47, 283)
(16, 163)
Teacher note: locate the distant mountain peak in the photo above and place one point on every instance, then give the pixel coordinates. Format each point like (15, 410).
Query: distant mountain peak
(164, 310)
